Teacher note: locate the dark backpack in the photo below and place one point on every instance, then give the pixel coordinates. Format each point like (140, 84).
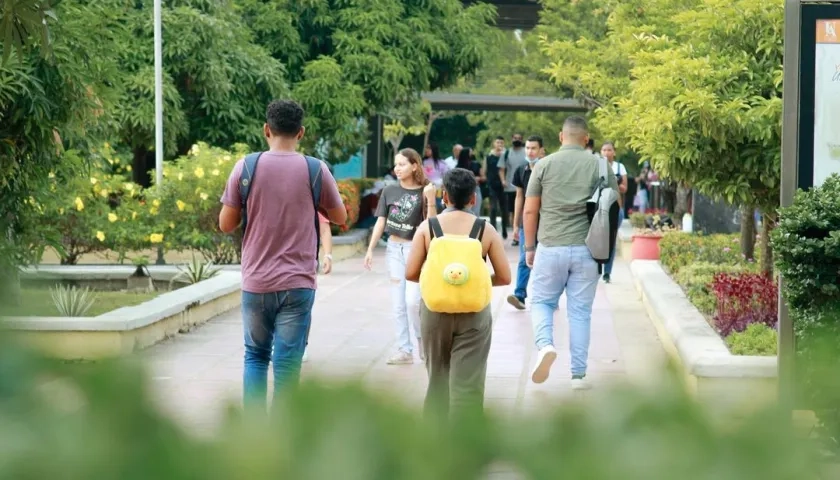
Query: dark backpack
(246, 179)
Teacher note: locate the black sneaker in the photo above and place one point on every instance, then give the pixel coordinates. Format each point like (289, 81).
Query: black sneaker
(606, 278)
(514, 242)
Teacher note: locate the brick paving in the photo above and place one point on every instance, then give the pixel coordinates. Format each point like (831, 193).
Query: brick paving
(198, 374)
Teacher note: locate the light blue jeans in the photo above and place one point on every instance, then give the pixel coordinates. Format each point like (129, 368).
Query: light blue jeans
(557, 270)
(405, 296)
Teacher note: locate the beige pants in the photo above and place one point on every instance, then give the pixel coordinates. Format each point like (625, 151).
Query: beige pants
(456, 347)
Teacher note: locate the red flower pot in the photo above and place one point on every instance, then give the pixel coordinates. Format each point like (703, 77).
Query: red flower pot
(645, 247)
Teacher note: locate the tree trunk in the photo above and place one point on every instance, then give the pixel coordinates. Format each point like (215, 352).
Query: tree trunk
(681, 203)
(768, 224)
(669, 196)
(748, 231)
(428, 132)
(139, 167)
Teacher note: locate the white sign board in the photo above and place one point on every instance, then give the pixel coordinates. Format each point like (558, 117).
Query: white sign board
(827, 101)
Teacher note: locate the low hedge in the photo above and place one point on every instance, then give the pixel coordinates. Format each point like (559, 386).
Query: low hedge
(679, 249)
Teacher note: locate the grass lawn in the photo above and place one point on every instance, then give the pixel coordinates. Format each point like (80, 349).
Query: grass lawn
(37, 302)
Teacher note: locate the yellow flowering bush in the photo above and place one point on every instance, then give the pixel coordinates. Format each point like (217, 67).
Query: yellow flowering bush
(82, 206)
(186, 209)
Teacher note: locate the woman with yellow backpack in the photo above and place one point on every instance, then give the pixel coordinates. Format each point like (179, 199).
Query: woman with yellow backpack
(448, 259)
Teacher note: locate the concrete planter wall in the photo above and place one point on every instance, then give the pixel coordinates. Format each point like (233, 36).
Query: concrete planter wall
(350, 244)
(715, 375)
(126, 329)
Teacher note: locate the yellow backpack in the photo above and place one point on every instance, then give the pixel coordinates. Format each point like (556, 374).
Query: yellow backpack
(455, 277)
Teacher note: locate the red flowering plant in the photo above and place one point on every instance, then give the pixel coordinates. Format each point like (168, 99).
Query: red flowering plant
(744, 299)
(350, 195)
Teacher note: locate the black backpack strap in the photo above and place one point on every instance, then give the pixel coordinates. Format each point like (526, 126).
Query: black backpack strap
(477, 231)
(315, 182)
(246, 180)
(434, 227)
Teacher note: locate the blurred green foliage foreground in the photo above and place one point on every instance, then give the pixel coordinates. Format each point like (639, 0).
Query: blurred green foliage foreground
(98, 422)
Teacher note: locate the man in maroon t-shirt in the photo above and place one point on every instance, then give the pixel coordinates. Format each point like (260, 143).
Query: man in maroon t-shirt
(279, 264)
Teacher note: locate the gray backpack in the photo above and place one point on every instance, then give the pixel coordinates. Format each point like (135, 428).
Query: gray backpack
(602, 210)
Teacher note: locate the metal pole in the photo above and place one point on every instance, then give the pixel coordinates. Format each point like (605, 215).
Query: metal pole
(158, 107)
(158, 97)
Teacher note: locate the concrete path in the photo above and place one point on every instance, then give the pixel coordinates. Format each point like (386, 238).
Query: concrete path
(196, 375)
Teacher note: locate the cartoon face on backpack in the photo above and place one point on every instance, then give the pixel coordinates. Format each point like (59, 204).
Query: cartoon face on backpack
(455, 278)
(456, 274)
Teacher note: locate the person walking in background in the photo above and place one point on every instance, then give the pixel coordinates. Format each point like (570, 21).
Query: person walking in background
(434, 168)
(513, 158)
(642, 188)
(457, 344)
(533, 152)
(401, 209)
(558, 191)
(452, 160)
(608, 152)
(495, 186)
(466, 160)
(279, 248)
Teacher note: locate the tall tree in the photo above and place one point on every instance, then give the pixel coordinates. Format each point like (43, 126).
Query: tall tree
(52, 95)
(699, 97)
(350, 60)
(217, 79)
(705, 104)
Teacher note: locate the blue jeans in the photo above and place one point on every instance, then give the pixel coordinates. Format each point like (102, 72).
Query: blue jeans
(571, 270)
(523, 272)
(608, 266)
(276, 329)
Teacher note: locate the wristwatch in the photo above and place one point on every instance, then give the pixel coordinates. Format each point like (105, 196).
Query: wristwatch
(531, 249)
(328, 256)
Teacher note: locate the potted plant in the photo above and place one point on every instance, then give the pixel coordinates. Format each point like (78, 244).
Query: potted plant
(646, 238)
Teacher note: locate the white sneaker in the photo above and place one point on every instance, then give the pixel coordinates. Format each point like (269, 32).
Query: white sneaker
(545, 358)
(305, 356)
(401, 358)
(580, 383)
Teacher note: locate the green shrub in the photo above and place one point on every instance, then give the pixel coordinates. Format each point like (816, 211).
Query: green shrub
(81, 205)
(99, 421)
(807, 255)
(757, 339)
(695, 280)
(637, 220)
(678, 249)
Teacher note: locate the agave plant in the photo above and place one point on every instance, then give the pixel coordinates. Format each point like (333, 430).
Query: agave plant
(71, 301)
(195, 271)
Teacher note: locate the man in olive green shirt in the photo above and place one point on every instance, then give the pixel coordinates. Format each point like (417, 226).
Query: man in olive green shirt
(558, 190)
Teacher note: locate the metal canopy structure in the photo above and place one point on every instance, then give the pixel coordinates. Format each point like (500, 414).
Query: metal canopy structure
(514, 14)
(501, 103)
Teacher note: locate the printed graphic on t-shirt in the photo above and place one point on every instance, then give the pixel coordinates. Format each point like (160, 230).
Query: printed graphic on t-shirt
(402, 210)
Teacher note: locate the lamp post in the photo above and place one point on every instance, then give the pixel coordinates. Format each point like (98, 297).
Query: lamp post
(158, 108)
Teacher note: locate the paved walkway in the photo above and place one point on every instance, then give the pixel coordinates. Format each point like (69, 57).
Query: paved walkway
(197, 374)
